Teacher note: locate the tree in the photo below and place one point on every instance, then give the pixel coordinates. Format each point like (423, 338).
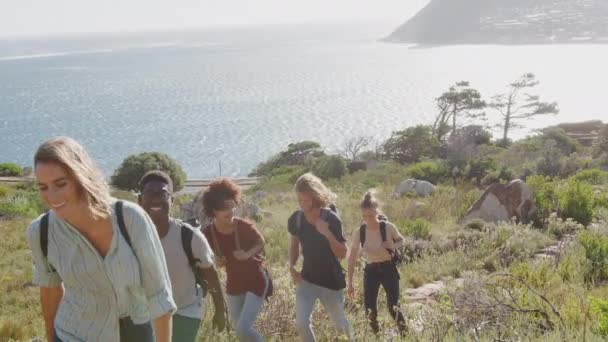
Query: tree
(354, 146)
(460, 101)
(128, 174)
(328, 167)
(10, 170)
(513, 108)
(411, 144)
(300, 153)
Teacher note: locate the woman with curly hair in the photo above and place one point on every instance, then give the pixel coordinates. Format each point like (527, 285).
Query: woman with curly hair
(238, 246)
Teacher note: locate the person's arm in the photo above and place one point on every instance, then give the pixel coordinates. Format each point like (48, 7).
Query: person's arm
(250, 233)
(162, 327)
(398, 239)
(215, 288)
(50, 297)
(153, 269)
(45, 277)
(338, 248)
(294, 254)
(352, 260)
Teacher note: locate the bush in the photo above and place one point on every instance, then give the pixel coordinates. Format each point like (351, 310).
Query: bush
(593, 176)
(419, 229)
(22, 203)
(328, 167)
(544, 190)
(10, 170)
(596, 252)
(303, 153)
(411, 145)
(430, 171)
(576, 201)
(128, 174)
(558, 227)
(600, 308)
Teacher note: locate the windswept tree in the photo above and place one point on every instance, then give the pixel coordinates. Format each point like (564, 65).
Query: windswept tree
(459, 102)
(517, 105)
(353, 147)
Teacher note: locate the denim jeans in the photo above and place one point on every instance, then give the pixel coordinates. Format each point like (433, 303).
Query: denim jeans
(333, 302)
(244, 309)
(385, 274)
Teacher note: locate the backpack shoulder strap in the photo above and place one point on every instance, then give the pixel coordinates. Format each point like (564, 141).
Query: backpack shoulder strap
(362, 234)
(187, 233)
(121, 223)
(44, 234)
(383, 230)
(299, 218)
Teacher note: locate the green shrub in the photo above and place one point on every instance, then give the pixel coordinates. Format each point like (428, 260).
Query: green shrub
(419, 229)
(329, 167)
(4, 190)
(592, 176)
(576, 201)
(10, 170)
(21, 203)
(128, 174)
(596, 251)
(599, 307)
(559, 227)
(476, 224)
(430, 171)
(544, 191)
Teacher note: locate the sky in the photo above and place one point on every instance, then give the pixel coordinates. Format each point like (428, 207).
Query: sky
(51, 17)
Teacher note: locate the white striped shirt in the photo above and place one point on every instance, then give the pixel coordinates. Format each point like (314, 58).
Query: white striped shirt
(101, 290)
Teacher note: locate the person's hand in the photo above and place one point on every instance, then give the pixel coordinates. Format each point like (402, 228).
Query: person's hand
(387, 245)
(296, 276)
(219, 320)
(351, 291)
(241, 255)
(322, 227)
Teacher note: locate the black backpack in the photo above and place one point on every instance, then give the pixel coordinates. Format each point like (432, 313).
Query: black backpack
(396, 256)
(186, 231)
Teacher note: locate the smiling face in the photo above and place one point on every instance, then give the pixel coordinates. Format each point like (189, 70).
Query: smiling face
(226, 214)
(58, 189)
(156, 200)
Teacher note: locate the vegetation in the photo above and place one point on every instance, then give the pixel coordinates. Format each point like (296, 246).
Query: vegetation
(10, 170)
(128, 174)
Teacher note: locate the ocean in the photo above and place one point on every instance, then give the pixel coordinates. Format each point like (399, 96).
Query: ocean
(237, 96)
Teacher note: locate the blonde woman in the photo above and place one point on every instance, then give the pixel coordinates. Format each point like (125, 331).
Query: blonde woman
(98, 262)
(378, 239)
(317, 230)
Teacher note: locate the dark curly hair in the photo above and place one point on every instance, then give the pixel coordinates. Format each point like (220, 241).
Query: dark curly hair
(218, 192)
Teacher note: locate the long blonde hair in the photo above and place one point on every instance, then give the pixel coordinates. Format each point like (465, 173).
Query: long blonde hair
(312, 184)
(75, 160)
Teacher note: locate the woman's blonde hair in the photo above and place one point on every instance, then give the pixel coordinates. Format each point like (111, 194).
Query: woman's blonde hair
(69, 154)
(370, 201)
(310, 183)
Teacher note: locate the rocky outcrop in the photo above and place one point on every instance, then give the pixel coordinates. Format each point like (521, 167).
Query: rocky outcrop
(502, 203)
(507, 22)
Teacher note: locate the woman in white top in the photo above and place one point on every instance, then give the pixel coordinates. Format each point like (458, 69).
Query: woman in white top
(378, 239)
(98, 262)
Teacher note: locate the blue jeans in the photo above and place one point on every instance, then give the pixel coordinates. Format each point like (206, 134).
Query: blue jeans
(244, 309)
(333, 302)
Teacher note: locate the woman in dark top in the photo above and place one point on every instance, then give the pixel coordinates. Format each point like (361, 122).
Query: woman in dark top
(318, 231)
(238, 246)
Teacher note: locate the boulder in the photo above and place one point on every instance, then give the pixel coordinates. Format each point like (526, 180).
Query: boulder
(418, 187)
(502, 203)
